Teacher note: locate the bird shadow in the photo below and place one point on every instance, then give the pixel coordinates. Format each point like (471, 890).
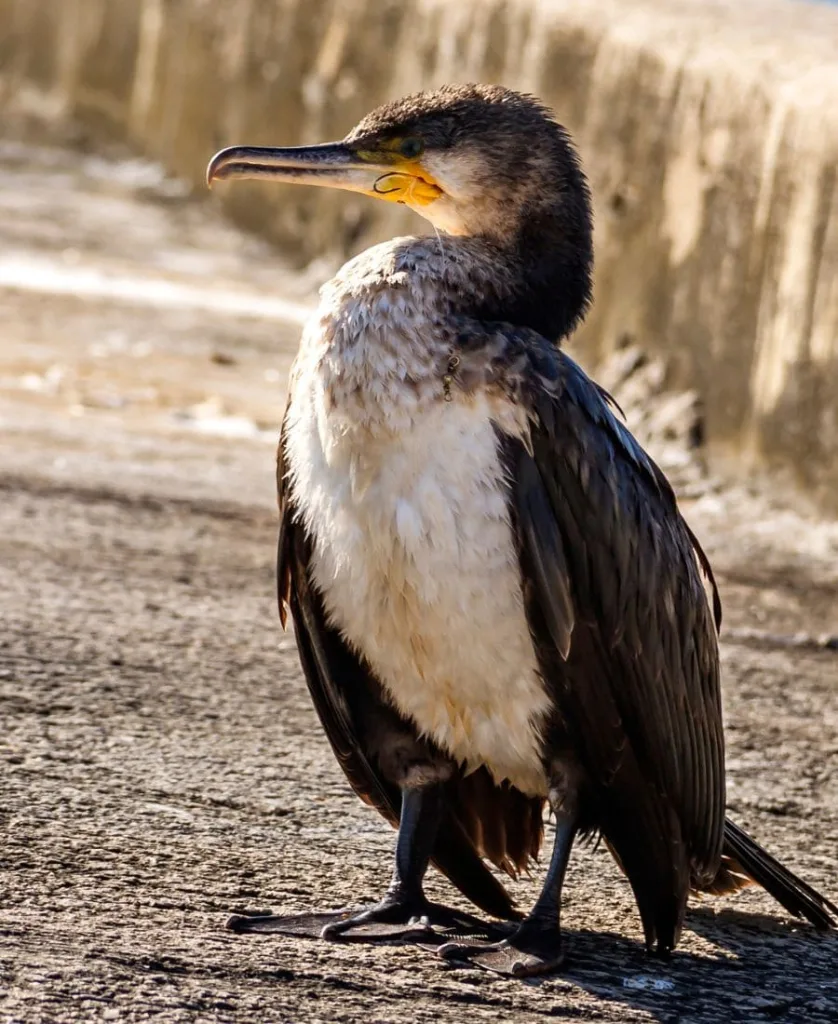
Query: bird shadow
(744, 966)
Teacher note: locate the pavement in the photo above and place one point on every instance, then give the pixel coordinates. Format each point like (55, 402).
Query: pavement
(162, 764)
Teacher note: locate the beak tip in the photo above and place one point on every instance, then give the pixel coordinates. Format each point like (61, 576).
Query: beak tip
(212, 170)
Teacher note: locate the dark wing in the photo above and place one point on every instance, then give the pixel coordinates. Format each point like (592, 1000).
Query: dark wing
(480, 819)
(617, 607)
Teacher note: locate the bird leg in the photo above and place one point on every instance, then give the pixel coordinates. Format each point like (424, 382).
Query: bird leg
(535, 947)
(404, 903)
(404, 913)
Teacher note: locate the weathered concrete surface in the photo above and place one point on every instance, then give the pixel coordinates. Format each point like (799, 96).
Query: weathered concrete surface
(162, 766)
(709, 129)
(160, 761)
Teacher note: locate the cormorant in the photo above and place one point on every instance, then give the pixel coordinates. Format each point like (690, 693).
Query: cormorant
(497, 603)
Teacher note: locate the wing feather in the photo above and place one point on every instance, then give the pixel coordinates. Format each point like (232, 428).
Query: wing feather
(619, 582)
(643, 590)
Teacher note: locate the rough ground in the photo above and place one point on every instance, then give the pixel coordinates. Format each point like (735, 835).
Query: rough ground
(162, 766)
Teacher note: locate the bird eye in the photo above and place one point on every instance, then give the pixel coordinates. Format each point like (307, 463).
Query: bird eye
(411, 148)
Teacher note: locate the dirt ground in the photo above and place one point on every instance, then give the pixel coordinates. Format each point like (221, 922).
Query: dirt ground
(162, 765)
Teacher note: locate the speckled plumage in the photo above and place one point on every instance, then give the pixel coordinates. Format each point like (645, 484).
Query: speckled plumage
(402, 494)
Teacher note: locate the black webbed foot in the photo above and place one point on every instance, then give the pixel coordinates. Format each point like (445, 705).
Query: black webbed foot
(391, 920)
(395, 917)
(304, 926)
(531, 950)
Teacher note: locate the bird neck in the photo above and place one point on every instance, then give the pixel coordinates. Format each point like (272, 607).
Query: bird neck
(548, 268)
(557, 257)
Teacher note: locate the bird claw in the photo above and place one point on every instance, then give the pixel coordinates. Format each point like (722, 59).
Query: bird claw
(525, 954)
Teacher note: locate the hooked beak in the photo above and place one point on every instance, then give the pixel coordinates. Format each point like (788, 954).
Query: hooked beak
(334, 165)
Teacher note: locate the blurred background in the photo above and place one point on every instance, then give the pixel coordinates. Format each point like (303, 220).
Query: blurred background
(157, 730)
(709, 131)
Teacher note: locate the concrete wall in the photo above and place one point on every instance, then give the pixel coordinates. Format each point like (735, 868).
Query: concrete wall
(709, 130)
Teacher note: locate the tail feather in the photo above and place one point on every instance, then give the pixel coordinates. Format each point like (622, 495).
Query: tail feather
(744, 856)
(455, 856)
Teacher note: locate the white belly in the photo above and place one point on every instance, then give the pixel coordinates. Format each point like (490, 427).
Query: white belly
(414, 556)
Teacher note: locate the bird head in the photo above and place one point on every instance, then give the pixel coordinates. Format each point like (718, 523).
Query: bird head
(474, 160)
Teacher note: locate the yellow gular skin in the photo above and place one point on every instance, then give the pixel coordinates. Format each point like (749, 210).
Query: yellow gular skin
(401, 187)
(408, 182)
